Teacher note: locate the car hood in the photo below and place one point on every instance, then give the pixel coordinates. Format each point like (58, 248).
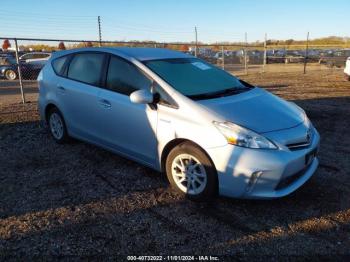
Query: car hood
(257, 110)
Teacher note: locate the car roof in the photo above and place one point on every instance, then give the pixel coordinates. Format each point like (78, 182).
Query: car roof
(138, 53)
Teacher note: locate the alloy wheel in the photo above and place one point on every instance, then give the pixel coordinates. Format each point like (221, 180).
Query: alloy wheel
(189, 174)
(56, 126)
(10, 75)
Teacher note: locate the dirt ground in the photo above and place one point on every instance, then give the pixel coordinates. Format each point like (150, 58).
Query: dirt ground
(78, 201)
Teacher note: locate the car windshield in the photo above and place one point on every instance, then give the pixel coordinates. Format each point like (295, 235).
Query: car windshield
(10, 60)
(195, 78)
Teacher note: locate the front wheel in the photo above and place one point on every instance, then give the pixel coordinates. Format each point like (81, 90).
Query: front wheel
(10, 74)
(190, 171)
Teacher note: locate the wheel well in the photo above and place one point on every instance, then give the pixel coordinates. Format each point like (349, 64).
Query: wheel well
(174, 143)
(47, 110)
(178, 141)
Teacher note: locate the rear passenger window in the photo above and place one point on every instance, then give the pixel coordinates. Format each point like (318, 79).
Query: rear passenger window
(125, 78)
(86, 67)
(58, 64)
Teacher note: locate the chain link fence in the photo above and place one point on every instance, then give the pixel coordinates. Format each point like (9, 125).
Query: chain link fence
(22, 60)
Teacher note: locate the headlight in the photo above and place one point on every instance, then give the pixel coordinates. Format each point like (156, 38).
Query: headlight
(239, 136)
(307, 122)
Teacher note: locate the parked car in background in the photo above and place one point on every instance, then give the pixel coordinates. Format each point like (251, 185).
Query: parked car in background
(313, 55)
(35, 56)
(336, 59)
(255, 57)
(209, 131)
(4, 55)
(293, 56)
(229, 56)
(9, 69)
(347, 69)
(274, 59)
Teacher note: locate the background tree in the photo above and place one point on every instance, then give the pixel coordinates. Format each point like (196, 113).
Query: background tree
(289, 41)
(184, 48)
(61, 46)
(88, 44)
(6, 44)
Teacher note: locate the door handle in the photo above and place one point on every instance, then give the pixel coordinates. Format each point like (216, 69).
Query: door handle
(105, 103)
(61, 88)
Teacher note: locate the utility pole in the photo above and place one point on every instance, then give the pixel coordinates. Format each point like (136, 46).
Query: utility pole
(99, 30)
(265, 53)
(195, 50)
(245, 54)
(306, 52)
(19, 72)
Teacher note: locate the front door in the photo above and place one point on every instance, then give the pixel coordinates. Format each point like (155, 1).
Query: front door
(127, 127)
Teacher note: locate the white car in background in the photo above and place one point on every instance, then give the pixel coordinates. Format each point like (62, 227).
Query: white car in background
(347, 69)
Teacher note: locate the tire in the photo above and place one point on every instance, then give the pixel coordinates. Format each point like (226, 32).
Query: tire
(57, 126)
(10, 75)
(191, 173)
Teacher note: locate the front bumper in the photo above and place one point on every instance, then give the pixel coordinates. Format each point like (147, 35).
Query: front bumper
(257, 173)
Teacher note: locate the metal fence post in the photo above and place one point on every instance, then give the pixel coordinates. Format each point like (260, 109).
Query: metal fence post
(306, 52)
(196, 38)
(245, 55)
(223, 57)
(265, 53)
(19, 72)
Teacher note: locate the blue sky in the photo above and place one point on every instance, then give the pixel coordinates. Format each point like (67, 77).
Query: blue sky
(174, 20)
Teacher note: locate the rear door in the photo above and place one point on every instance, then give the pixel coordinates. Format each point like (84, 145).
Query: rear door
(127, 127)
(78, 93)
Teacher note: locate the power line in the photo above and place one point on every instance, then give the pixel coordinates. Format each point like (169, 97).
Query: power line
(34, 22)
(142, 29)
(141, 25)
(41, 14)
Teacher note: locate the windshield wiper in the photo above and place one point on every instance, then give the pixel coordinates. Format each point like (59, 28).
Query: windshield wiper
(221, 93)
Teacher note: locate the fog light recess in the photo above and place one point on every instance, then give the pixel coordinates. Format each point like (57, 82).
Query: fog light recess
(252, 180)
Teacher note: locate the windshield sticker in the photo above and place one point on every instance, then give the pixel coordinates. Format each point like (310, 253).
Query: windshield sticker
(200, 65)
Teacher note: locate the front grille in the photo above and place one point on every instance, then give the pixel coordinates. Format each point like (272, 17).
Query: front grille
(297, 146)
(303, 144)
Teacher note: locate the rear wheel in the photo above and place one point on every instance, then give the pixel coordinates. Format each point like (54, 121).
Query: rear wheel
(57, 126)
(10, 74)
(190, 172)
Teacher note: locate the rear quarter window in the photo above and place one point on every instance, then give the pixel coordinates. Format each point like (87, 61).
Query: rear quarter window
(86, 68)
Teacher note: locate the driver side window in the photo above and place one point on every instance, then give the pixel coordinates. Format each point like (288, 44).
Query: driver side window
(125, 78)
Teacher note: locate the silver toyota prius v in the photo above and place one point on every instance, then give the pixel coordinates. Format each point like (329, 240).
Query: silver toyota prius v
(210, 132)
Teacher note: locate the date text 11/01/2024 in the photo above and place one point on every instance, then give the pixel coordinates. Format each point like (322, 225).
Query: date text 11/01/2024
(172, 258)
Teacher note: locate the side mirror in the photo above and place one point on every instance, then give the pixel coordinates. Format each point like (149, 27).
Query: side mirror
(141, 97)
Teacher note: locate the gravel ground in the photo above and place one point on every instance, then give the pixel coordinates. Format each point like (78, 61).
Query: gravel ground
(78, 201)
